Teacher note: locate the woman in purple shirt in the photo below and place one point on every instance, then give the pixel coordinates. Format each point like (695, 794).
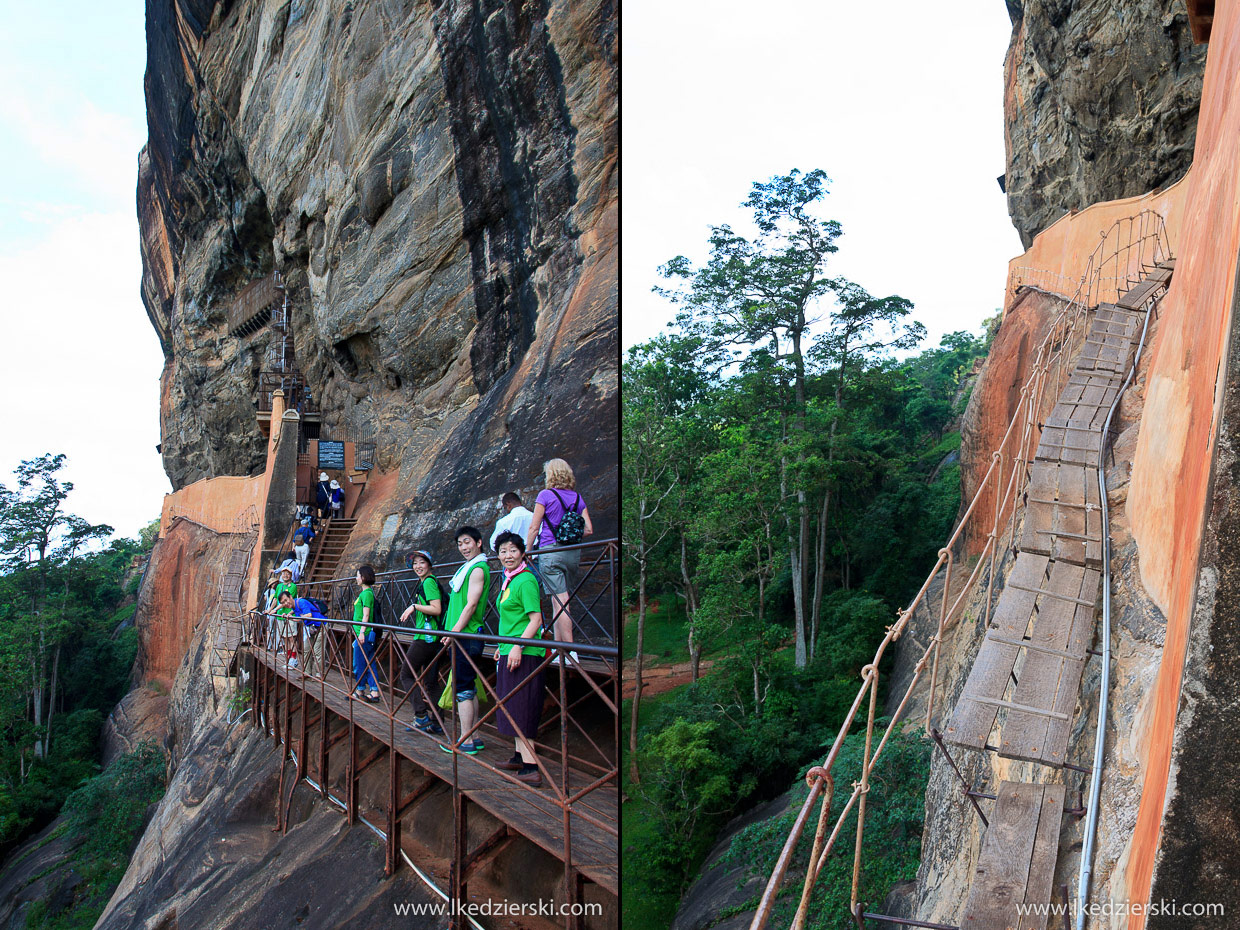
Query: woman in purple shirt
(556, 502)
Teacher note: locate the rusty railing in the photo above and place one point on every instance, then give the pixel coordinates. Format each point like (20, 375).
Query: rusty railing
(577, 742)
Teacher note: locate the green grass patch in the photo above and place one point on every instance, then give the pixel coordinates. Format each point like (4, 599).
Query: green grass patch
(644, 908)
(666, 638)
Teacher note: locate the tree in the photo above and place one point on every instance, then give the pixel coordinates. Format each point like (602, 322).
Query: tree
(36, 536)
(649, 477)
(761, 298)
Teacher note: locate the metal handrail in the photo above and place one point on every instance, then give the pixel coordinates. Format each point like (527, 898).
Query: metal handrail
(1135, 238)
(575, 772)
(395, 591)
(1095, 783)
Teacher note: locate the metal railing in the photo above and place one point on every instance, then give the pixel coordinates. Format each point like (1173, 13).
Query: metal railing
(1128, 247)
(1138, 242)
(576, 744)
(590, 603)
(249, 305)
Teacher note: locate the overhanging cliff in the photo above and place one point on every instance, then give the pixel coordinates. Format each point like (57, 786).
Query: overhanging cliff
(1088, 86)
(437, 183)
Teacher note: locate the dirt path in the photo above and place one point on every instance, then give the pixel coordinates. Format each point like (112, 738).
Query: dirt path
(657, 679)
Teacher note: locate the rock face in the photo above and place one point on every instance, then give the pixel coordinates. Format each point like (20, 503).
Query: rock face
(1086, 87)
(437, 184)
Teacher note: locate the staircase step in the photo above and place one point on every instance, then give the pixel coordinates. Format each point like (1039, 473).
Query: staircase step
(1136, 298)
(1017, 862)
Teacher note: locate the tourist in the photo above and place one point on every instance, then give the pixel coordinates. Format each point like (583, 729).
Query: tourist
(516, 518)
(560, 519)
(312, 633)
(288, 629)
(467, 605)
(519, 670)
(323, 495)
(364, 637)
(288, 564)
(337, 494)
(301, 543)
(422, 650)
(286, 625)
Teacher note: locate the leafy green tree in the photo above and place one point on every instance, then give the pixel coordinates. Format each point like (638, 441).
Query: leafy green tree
(36, 536)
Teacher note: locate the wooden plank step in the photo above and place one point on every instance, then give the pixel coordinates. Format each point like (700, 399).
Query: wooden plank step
(1160, 274)
(1017, 862)
(1050, 678)
(972, 721)
(1136, 298)
(1062, 516)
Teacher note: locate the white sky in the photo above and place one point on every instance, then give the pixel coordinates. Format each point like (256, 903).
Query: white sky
(901, 103)
(82, 363)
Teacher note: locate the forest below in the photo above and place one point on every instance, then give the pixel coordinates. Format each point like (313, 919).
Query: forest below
(790, 471)
(67, 647)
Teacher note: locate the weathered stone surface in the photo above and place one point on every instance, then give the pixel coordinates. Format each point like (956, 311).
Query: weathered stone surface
(437, 182)
(996, 398)
(721, 886)
(1199, 859)
(1099, 103)
(142, 714)
(175, 598)
(41, 869)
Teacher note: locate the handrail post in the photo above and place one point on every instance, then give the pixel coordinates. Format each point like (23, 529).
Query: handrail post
(865, 778)
(938, 639)
(997, 458)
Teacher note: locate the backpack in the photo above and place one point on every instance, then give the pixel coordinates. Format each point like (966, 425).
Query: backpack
(572, 527)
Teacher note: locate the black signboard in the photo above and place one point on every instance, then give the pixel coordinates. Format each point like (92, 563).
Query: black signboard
(331, 454)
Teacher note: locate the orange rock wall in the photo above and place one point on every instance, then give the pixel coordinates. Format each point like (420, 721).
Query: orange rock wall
(1179, 427)
(216, 503)
(1060, 253)
(995, 400)
(176, 596)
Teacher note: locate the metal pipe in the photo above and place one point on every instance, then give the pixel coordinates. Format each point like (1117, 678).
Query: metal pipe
(908, 922)
(1095, 783)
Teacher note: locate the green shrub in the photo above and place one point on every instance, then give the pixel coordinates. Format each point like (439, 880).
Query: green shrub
(895, 813)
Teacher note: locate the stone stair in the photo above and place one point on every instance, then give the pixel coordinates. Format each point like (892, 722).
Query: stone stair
(329, 549)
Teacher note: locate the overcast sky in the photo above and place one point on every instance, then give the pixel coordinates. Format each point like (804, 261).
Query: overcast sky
(81, 362)
(901, 103)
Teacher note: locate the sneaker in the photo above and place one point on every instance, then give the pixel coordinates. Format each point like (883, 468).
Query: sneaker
(512, 765)
(576, 658)
(427, 725)
(292, 663)
(469, 747)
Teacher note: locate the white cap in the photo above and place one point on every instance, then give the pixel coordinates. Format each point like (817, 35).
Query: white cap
(322, 476)
(335, 484)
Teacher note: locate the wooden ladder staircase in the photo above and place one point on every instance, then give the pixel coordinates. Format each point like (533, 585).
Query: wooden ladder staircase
(329, 548)
(1030, 663)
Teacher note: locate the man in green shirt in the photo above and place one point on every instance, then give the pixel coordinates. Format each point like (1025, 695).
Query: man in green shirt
(467, 604)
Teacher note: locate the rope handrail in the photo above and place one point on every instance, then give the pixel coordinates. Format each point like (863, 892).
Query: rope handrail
(1126, 244)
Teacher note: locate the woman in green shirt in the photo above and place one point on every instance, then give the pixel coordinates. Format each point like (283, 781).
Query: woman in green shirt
(364, 636)
(519, 682)
(287, 625)
(421, 650)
